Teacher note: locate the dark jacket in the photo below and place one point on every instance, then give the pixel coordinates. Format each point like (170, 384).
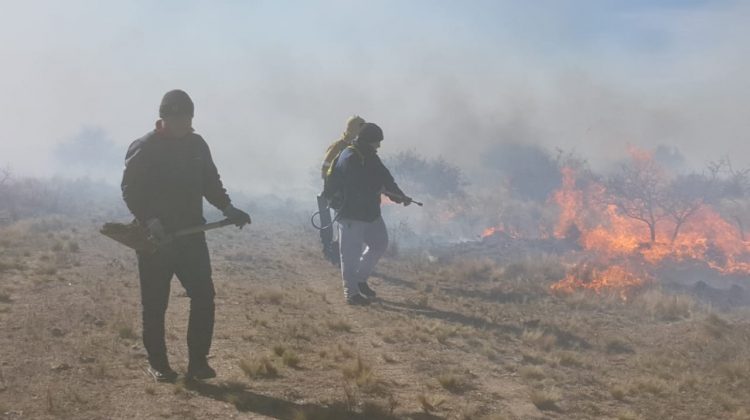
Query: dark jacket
(362, 177)
(167, 178)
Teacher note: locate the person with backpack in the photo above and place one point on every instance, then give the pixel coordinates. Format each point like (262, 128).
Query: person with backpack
(353, 126)
(330, 246)
(359, 177)
(167, 174)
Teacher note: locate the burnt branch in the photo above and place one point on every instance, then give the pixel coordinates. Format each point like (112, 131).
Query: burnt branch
(638, 191)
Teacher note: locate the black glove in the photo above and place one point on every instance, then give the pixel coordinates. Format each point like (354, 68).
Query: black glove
(156, 230)
(236, 216)
(406, 201)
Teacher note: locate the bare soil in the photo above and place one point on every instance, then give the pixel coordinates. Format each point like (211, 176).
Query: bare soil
(465, 339)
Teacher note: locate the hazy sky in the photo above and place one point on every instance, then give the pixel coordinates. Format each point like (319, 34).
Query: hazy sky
(274, 81)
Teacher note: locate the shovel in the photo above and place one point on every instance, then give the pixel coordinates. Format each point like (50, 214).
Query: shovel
(135, 236)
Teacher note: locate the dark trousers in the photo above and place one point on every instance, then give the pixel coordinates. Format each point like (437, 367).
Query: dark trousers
(188, 259)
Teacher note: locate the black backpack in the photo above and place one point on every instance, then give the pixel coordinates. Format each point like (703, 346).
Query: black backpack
(333, 184)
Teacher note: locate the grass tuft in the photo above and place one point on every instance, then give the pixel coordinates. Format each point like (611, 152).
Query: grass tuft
(453, 383)
(339, 325)
(290, 359)
(531, 373)
(259, 368)
(545, 400)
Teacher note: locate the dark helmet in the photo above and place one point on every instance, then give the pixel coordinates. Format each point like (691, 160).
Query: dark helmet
(370, 133)
(176, 103)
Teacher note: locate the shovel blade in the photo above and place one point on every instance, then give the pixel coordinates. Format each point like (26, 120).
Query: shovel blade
(132, 235)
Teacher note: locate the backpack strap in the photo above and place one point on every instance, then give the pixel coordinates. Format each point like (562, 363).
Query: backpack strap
(335, 160)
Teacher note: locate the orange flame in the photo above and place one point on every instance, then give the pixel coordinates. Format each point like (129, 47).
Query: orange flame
(608, 234)
(614, 278)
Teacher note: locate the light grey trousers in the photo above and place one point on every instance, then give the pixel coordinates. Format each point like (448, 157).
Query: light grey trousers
(361, 245)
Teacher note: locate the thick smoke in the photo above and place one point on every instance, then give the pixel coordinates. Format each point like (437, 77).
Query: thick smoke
(448, 80)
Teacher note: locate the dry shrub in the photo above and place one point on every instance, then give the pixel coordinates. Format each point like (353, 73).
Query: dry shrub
(545, 400)
(715, 326)
(429, 404)
(14, 265)
(538, 271)
(259, 368)
(126, 332)
(345, 351)
(618, 392)
(271, 297)
(389, 359)
(290, 359)
(339, 325)
(535, 373)
(532, 358)
(5, 297)
(421, 300)
(618, 345)
(568, 359)
(471, 271)
(628, 415)
(650, 385)
(665, 307)
(538, 338)
(361, 373)
(735, 371)
(279, 349)
(454, 383)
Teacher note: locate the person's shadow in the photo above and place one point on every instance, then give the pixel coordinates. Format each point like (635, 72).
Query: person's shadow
(565, 339)
(248, 401)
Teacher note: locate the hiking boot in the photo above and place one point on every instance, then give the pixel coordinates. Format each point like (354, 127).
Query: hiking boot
(357, 300)
(364, 288)
(162, 374)
(200, 370)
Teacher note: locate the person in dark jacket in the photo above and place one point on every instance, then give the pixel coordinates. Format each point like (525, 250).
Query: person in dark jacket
(167, 174)
(361, 176)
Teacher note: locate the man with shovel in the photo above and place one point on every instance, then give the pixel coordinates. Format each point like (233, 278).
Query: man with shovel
(167, 173)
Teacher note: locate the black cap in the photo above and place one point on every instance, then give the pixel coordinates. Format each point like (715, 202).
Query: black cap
(176, 103)
(370, 133)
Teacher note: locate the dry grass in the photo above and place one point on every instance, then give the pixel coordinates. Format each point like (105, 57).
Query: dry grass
(429, 404)
(362, 374)
(271, 297)
(618, 392)
(5, 297)
(12, 265)
(534, 373)
(290, 358)
(127, 333)
(650, 385)
(665, 307)
(468, 356)
(617, 345)
(545, 400)
(472, 271)
(568, 359)
(539, 339)
(279, 349)
(735, 371)
(339, 325)
(259, 368)
(454, 383)
(715, 326)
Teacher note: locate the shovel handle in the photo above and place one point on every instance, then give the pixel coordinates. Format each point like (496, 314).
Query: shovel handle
(202, 228)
